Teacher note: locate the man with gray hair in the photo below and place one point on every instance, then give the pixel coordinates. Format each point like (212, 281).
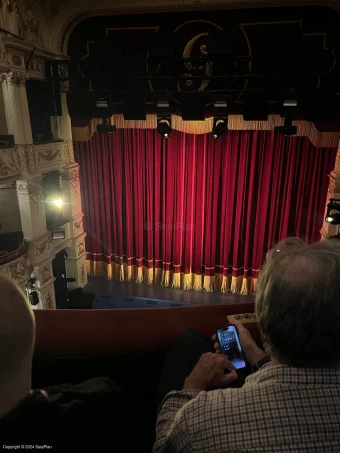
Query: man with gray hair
(291, 401)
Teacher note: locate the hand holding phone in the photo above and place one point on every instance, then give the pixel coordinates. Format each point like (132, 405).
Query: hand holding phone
(230, 346)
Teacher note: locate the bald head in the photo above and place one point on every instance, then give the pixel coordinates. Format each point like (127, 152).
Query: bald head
(17, 330)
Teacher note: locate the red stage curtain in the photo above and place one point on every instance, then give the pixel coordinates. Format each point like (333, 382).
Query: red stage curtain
(192, 212)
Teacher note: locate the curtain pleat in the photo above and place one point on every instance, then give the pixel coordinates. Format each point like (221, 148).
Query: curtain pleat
(194, 213)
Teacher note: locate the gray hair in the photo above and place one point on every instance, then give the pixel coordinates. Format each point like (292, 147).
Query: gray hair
(298, 303)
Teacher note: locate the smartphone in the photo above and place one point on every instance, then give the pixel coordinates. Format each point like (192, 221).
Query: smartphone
(230, 346)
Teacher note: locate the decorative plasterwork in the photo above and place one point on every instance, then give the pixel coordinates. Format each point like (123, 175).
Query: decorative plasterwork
(83, 273)
(15, 54)
(49, 154)
(69, 150)
(71, 173)
(25, 158)
(34, 191)
(337, 161)
(21, 161)
(78, 225)
(49, 301)
(40, 250)
(8, 165)
(18, 270)
(334, 186)
(45, 274)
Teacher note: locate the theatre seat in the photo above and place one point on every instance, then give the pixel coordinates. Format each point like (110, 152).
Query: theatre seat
(128, 346)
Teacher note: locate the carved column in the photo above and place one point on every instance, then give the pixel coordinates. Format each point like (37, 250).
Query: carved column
(76, 261)
(25, 114)
(32, 208)
(333, 192)
(16, 107)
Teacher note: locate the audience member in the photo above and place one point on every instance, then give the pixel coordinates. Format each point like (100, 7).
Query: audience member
(291, 402)
(88, 415)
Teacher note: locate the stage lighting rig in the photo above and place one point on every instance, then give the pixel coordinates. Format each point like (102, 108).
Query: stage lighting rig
(220, 127)
(106, 127)
(287, 128)
(333, 205)
(164, 126)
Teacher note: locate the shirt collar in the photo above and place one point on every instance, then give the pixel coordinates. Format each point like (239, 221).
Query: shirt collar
(289, 375)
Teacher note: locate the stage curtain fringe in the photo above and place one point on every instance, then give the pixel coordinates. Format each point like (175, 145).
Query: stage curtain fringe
(169, 279)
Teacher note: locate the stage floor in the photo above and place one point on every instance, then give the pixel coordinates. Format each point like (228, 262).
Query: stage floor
(99, 285)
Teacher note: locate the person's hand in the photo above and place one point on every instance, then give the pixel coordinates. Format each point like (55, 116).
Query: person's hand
(210, 372)
(252, 352)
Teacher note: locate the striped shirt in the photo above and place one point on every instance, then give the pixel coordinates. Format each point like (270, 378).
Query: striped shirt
(279, 409)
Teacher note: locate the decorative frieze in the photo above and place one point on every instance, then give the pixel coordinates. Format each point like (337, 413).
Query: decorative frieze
(49, 155)
(18, 270)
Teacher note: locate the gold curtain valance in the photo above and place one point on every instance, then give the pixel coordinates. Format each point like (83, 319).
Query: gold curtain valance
(236, 122)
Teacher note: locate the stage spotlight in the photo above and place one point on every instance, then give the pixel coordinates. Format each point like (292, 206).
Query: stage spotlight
(58, 202)
(333, 218)
(164, 126)
(287, 128)
(105, 127)
(220, 127)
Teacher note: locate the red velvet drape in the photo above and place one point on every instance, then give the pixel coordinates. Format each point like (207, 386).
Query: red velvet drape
(192, 212)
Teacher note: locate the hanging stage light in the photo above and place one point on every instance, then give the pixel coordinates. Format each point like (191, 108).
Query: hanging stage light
(220, 127)
(287, 128)
(164, 126)
(106, 127)
(333, 218)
